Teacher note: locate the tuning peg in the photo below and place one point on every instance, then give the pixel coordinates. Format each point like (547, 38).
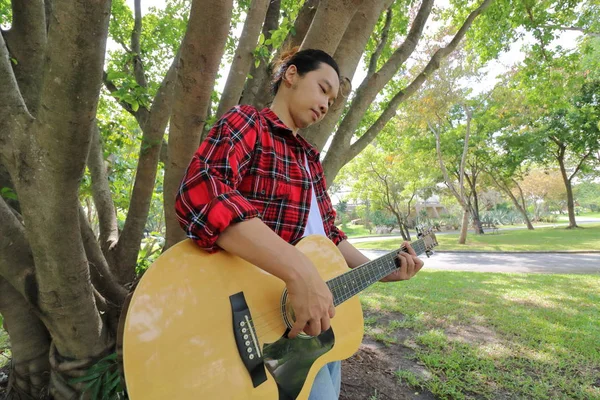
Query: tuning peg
(429, 253)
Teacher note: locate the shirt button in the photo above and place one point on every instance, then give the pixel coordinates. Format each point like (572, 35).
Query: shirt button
(305, 186)
(262, 191)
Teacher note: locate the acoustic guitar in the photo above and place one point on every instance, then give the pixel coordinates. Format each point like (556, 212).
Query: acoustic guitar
(213, 326)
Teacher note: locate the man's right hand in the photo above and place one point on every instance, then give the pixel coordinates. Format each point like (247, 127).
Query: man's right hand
(311, 300)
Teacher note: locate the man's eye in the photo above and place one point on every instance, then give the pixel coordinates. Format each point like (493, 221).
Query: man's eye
(323, 89)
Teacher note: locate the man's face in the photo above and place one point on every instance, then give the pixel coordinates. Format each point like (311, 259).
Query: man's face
(311, 94)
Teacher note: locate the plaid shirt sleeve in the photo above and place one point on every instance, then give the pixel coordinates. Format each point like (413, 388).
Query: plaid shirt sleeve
(208, 200)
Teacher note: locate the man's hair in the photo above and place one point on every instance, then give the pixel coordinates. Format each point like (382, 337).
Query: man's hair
(305, 61)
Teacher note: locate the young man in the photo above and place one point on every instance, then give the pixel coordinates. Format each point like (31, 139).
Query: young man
(255, 186)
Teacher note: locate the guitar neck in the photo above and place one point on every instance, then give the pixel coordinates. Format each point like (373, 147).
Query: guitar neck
(358, 279)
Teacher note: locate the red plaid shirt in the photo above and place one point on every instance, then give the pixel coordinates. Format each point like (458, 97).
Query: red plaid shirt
(251, 165)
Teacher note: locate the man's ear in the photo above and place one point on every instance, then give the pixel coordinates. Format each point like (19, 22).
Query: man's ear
(291, 74)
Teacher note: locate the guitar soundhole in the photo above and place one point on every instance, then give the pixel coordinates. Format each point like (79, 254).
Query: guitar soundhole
(289, 316)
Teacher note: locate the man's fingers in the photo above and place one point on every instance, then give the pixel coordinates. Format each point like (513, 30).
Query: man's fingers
(418, 264)
(313, 327)
(297, 328)
(325, 324)
(409, 249)
(331, 311)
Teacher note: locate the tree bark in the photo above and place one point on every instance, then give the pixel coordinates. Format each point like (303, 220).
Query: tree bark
(30, 343)
(329, 24)
(107, 216)
(46, 162)
(200, 54)
(261, 72)
(569, 188)
(348, 56)
(26, 41)
(464, 227)
(123, 258)
(244, 56)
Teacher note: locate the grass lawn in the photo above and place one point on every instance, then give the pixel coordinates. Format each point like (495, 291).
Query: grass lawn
(494, 336)
(540, 239)
(564, 217)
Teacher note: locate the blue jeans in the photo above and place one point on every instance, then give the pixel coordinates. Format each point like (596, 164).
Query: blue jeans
(327, 382)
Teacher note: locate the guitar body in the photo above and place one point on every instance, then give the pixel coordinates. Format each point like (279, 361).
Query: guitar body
(179, 341)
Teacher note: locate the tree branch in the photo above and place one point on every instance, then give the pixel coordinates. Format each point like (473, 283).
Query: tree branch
(16, 260)
(371, 86)
(109, 230)
(382, 42)
(580, 164)
(138, 65)
(102, 278)
(200, 53)
(572, 28)
(69, 94)
(401, 96)
(26, 41)
(141, 196)
(243, 58)
(13, 111)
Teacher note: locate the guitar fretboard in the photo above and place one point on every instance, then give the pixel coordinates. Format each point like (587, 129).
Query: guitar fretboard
(358, 279)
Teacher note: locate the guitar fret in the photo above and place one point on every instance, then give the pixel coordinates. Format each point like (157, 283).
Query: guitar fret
(354, 281)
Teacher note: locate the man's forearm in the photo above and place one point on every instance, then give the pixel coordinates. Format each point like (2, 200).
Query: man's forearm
(352, 255)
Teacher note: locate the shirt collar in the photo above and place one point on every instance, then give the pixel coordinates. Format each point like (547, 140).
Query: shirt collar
(280, 128)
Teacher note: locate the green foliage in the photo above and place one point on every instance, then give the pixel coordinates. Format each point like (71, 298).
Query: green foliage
(5, 353)
(587, 195)
(8, 193)
(103, 380)
(5, 13)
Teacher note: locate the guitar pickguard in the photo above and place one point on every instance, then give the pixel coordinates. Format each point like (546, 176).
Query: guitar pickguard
(289, 360)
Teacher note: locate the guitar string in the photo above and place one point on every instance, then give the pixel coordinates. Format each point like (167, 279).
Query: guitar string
(345, 295)
(279, 322)
(333, 288)
(362, 273)
(359, 275)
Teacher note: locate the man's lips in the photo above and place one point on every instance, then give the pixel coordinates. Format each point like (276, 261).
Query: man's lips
(316, 114)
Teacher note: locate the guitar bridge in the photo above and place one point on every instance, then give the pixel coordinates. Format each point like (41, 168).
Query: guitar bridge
(246, 339)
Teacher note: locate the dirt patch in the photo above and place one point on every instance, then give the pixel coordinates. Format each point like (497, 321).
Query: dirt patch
(371, 372)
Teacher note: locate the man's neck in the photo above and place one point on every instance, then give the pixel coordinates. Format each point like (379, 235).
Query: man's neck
(282, 112)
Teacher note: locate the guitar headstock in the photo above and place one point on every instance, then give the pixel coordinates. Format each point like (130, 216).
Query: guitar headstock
(429, 239)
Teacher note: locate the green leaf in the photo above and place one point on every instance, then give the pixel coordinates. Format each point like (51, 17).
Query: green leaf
(261, 39)
(256, 63)
(14, 61)
(8, 193)
(135, 105)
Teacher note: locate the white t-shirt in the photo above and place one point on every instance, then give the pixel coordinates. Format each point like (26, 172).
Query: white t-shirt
(314, 225)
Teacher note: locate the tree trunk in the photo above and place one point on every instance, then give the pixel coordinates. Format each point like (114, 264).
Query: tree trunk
(30, 344)
(329, 24)
(200, 55)
(520, 206)
(244, 56)
(569, 187)
(464, 227)
(261, 72)
(348, 56)
(259, 89)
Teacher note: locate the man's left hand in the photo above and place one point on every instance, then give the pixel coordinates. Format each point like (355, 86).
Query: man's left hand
(409, 264)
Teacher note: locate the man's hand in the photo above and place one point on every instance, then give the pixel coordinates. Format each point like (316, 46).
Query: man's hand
(409, 264)
(311, 300)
